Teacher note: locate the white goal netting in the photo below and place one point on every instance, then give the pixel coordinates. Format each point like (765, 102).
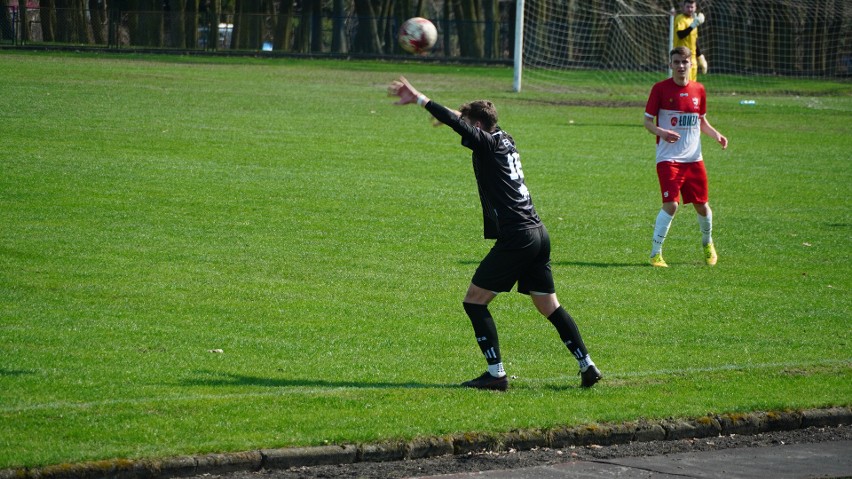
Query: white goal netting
(623, 45)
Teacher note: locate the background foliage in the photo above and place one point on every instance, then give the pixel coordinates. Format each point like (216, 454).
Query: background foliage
(788, 37)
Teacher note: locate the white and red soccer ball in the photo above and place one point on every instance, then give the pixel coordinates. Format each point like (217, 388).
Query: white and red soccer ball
(417, 35)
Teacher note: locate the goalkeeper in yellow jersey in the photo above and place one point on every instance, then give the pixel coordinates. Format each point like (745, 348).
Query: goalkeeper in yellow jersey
(686, 35)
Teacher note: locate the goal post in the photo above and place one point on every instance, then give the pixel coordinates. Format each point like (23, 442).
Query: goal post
(519, 45)
(671, 35)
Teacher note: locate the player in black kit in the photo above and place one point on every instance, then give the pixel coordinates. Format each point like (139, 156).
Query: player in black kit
(521, 253)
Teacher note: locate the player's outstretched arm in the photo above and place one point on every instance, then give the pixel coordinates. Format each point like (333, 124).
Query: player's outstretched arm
(708, 129)
(406, 93)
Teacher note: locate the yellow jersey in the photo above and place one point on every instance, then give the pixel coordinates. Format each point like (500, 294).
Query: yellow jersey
(682, 22)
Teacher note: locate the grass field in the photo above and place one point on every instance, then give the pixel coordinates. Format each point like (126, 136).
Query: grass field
(154, 210)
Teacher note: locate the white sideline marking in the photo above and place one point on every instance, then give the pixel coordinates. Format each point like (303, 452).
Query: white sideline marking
(288, 390)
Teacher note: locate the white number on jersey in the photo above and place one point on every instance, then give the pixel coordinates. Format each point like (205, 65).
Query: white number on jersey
(517, 173)
(514, 161)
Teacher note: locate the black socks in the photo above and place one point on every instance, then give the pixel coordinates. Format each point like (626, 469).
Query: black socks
(485, 330)
(568, 332)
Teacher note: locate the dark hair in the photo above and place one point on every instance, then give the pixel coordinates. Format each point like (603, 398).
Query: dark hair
(482, 111)
(682, 51)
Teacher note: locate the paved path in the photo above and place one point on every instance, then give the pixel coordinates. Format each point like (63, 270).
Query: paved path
(799, 461)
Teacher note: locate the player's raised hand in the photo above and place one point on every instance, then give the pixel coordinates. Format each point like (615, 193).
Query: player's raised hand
(406, 93)
(697, 20)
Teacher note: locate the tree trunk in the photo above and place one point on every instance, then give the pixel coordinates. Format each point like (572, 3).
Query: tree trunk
(145, 22)
(247, 24)
(388, 26)
(6, 27)
(284, 27)
(316, 27)
(236, 40)
(47, 16)
(64, 21)
(213, 18)
(303, 33)
(81, 24)
(23, 24)
(469, 24)
(367, 36)
(177, 24)
(98, 20)
(338, 32)
(191, 23)
(491, 16)
(448, 41)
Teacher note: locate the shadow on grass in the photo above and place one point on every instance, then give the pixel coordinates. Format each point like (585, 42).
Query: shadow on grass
(216, 378)
(579, 263)
(600, 265)
(15, 372)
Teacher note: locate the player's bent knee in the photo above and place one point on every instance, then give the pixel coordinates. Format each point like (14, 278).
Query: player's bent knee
(545, 303)
(477, 295)
(670, 208)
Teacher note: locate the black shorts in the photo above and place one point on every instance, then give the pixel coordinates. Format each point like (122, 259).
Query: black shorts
(521, 257)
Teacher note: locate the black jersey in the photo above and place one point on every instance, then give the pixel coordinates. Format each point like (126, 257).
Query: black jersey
(506, 202)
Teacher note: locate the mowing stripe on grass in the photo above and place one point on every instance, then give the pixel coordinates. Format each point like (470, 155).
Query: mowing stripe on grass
(730, 367)
(286, 390)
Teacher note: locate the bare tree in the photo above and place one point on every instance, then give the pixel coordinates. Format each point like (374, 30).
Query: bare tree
(284, 27)
(47, 17)
(338, 32)
(190, 22)
(491, 40)
(469, 27)
(22, 21)
(145, 22)
(367, 35)
(6, 27)
(308, 31)
(177, 23)
(98, 20)
(248, 22)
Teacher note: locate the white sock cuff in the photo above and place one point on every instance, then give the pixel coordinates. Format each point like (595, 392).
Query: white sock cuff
(496, 370)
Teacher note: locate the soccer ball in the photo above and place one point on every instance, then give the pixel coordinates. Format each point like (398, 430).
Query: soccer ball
(417, 35)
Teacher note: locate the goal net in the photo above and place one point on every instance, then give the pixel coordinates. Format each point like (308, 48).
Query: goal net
(622, 46)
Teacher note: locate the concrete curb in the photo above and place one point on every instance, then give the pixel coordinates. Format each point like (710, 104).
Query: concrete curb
(559, 437)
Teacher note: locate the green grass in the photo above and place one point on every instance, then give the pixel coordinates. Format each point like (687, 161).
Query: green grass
(153, 209)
